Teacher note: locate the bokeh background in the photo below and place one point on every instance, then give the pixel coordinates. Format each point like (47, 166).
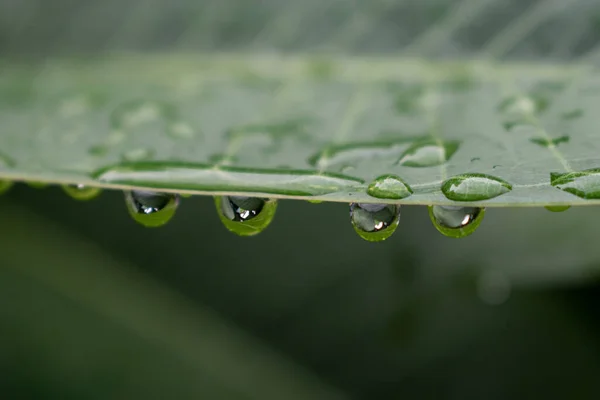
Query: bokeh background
(94, 306)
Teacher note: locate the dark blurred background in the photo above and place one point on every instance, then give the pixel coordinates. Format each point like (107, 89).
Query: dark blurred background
(93, 306)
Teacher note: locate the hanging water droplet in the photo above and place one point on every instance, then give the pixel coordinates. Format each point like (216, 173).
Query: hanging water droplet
(389, 187)
(245, 216)
(428, 153)
(456, 221)
(374, 222)
(151, 209)
(584, 184)
(82, 192)
(557, 208)
(5, 185)
(474, 187)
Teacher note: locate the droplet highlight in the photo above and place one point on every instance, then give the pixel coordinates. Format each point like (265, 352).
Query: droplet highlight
(374, 222)
(245, 216)
(584, 184)
(474, 187)
(456, 221)
(151, 209)
(82, 192)
(389, 187)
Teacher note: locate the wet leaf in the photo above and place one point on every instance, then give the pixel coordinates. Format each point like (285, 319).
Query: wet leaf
(322, 128)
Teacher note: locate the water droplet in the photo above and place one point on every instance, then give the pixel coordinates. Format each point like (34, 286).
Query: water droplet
(245, 216)
(584, 184)
(517, 110)
(151, 209)
(202, 177)
(81, 192)
(545, 142)
(474, 187)
(517, 105)
(134, 113)
(456, 221)
(5, 185)
(374, 222)
(557, 208)
(428, 153)
(389, 187)
(340, 157)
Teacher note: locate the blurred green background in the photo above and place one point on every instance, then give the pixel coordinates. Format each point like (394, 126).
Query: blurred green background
(93, 306)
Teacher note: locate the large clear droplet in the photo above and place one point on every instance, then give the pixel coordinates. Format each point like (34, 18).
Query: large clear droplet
(374, 222)
(82, 192)
(245, 216)
(151, 209)
(474, 187)
(456, 221)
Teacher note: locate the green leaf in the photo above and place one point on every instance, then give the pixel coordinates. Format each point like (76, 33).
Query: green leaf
(318, 127)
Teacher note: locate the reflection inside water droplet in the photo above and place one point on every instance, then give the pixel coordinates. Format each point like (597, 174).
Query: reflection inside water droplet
(151, 209)
(5, 185)
(456, 221)
(245, 216)
(374, 222)
(81, 192)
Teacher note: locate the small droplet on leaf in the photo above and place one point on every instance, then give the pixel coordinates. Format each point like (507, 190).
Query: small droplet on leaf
(151, 209)
(389, 187)
(245, 216)
(474, 187)
(82, 192)
(374, 222)
(456, 221)
(428, 154)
